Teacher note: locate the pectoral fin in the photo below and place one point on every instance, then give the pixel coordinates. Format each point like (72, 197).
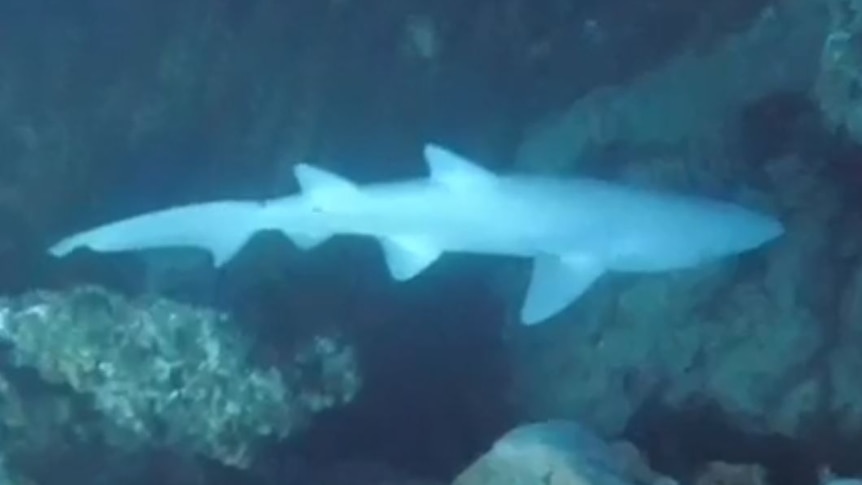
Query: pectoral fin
(555, 283)
(407, 258)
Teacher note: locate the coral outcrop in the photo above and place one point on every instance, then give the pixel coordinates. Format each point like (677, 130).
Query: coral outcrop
(168, 374)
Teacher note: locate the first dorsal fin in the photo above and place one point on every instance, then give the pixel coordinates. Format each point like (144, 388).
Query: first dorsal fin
(454, 170)
(322, 185)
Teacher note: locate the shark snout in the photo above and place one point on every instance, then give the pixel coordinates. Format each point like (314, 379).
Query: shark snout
(760, 229)
(773, 229)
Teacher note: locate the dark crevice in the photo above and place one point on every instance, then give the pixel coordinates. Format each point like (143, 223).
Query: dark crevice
(679, 442)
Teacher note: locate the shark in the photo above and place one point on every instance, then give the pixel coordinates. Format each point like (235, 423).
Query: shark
(574, 229)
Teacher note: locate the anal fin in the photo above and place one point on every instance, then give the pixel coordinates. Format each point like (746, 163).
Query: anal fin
(556, 282)
(308, 241)
(406, 257)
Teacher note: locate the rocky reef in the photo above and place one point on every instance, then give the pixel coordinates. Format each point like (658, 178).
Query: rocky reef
(559, 452)
(771, 340)
(167, 375)
(697, 94)
(838, 81)
(111, 108)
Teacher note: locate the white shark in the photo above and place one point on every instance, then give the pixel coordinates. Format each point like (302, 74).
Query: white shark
(575, 230)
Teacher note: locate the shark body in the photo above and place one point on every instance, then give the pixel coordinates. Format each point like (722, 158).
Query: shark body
(575, 229)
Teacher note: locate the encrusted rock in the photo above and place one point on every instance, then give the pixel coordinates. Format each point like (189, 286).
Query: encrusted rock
(171, 374)
(559, 453)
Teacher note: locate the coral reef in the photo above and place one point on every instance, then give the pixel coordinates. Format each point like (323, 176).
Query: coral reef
(168, 374)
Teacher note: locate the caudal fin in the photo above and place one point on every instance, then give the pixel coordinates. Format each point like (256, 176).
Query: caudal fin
(220, 228)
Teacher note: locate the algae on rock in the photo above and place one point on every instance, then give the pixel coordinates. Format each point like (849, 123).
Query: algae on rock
(173, 375)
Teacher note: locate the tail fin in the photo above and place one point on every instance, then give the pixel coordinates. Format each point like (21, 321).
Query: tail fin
(221, 228)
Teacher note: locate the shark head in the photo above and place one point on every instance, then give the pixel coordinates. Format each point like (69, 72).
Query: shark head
(755, 230)
(733, 230)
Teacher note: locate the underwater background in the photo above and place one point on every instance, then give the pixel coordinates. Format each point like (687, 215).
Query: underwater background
(293, 367)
